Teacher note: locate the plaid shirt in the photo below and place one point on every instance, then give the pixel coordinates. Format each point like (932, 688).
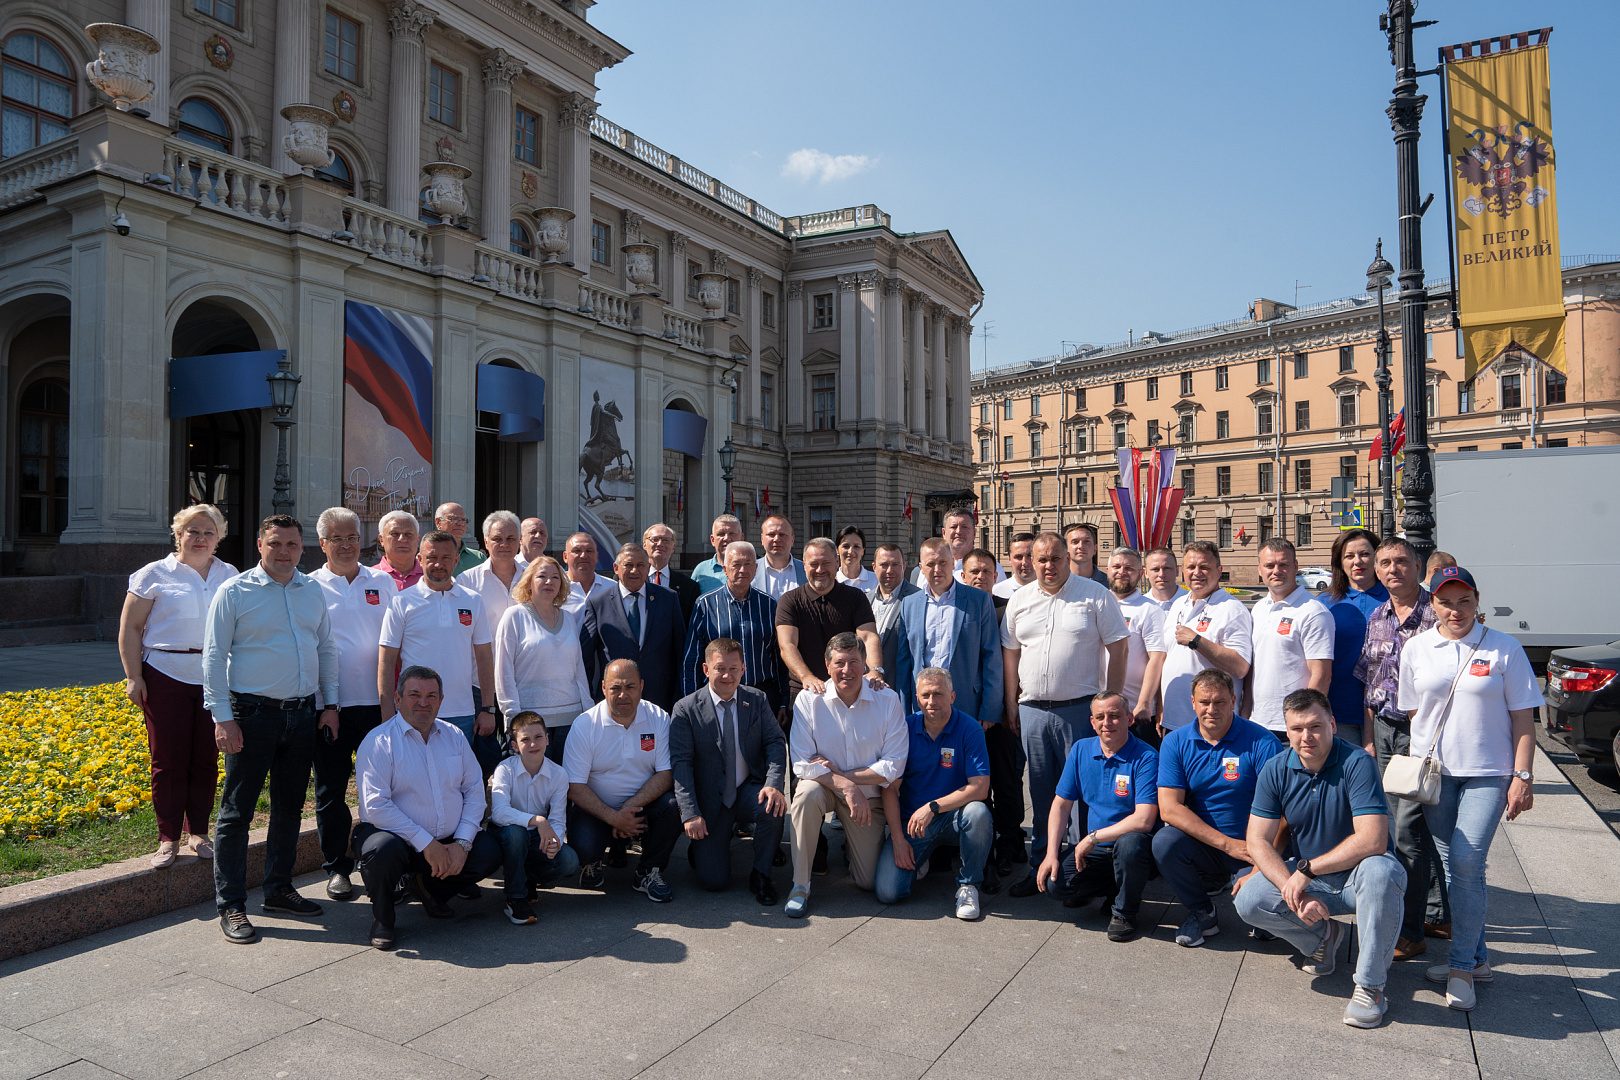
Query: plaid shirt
(1379, 668)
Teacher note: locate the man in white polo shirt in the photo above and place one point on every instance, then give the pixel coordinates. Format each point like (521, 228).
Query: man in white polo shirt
(1207, 627)
(357, 599)
(620, 783)
(1144, 621)
(441, 625)
(1293, 638)
(1159, 568)
(1053, 640)
(1021, 557)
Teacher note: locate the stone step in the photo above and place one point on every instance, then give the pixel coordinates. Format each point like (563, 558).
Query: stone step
(46, 633)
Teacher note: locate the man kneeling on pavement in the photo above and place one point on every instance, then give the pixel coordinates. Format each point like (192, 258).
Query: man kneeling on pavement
(1330, 794)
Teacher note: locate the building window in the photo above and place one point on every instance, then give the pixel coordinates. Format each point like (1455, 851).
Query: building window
(1153, 389)
(1555, 387)
(1302, 474)
(42, 458)
(1465, 396)
(1006, 408)
(1302, 416)
(820, 520)
(1082, 438)
(1034, 493)
(984, 448)
(202, 122)
(1222, 377)
(984, 412)
(1265, 528)
(1186, 383)
(1347, 410)
(519, 240)
(1551, 443)
(1347, 467)
(1262, 370)
(1006, 495)
(1347, 358)
(1468, 449)
(1187, 483)
(37, 95)
(340, 47)
(526, 136)
(1079, 399)
(1153, 433)
(1035, 405)
(767, 310)
(228, 12)
(767, 400)
(693, 269)
(1513, 446)
(733, 296)
(1184, 428)
(1302, 365)
(1430, 397)
(1223, 532)
(601, 243)
(1302, 530)
(1119, 393)
(1119, 434)
(338, 171)
(1006, 448)
(1223, 480)
(444, 95)
(984, 495)
(1082, 491)
(1223, 425)
(1187, 534)
(1035, 444)
(822, 311)
(824, 402)
(1512, 392)
(1262, 418)
(1265, 484)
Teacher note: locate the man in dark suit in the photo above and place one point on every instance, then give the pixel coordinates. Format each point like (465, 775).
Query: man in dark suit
(635, 620)
(729, 759)
(659, 540)
(952, 626)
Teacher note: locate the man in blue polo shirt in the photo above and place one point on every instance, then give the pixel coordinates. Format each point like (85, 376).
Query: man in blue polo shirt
(1116, 775)
(1207, 772)
(1329, 793)
(939, 799)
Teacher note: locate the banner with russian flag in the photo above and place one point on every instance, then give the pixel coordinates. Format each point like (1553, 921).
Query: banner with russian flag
(1146, 502)
(387, 413)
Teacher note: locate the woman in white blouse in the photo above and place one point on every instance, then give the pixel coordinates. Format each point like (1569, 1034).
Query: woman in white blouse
(1486, 749)
(851, 550)
(160, 639)
(538, 662)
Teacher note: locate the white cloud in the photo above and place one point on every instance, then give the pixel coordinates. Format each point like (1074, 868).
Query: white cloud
(818, 165)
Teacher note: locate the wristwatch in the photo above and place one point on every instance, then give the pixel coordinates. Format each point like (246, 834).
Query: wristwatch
(466, 845)
(1195, 642)
(1304, 867)
(933, 807)
(1525, 775)
(492, 710)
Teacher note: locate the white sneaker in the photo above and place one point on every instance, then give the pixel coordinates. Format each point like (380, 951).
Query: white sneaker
(1460, 993)
(967, 903)
(1366, 1008)
(1441, 973)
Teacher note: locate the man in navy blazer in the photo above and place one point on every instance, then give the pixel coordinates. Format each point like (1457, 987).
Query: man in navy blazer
(635, 620)
(953, 626)
(728, 757)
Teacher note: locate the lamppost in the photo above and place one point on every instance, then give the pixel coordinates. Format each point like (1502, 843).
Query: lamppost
(728, 461)
(283, 393)
(1379, 274)
(1405, 114)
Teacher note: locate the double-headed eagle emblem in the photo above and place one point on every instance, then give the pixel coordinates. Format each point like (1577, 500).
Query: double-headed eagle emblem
(1502, 163)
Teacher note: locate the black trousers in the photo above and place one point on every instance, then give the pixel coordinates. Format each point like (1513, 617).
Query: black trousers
(711, 856)
(334, 764)
(383, 858)
(590, 835)
(1006, 752)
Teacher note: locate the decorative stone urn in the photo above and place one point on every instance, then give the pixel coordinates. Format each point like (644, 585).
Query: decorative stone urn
(712, 294)
(639, 268)
(305, 141)
(551, 233)
(120, 71)
(447, 189)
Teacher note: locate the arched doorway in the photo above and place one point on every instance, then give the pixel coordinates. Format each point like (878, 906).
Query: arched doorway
(682, 460)
(497, 467)
(217, 454)
(34, 360)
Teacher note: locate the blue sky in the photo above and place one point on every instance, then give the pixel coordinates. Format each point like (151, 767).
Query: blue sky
(1105, 167)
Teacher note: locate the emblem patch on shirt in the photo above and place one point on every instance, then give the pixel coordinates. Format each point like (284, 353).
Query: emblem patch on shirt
(465, 615)
(1479, 667)
(1122, 784)
(373, 597)
(1285, 627)
(1202, 624)
(947, 757)
(1229, 768)
(648, 742)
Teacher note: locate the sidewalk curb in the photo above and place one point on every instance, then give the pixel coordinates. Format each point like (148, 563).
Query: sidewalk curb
(38, 914)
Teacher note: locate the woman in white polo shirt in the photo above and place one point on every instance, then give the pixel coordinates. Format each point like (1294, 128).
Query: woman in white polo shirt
(538, 662)
(1486, 749)
(160, 637)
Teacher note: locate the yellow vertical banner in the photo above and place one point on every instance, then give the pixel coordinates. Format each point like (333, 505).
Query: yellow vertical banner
(1500, 150)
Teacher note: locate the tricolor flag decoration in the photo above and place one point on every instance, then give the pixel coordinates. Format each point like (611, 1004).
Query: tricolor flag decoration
(1397, 438)
(1145, 503)
(906, 514)
(759, 504)
(680, 495)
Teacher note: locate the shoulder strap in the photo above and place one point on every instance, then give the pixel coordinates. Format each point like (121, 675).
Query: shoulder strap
(1445, 710)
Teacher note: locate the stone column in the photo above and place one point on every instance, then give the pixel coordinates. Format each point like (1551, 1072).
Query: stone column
(919, 373)
(495, 215)
(153, 17)
(574, 172)
(750, 409)
(938, 428)
(794, 391)
(293, 28)
(869, 360)
(407, 22)
(961, 373)
(892, 361)
(849, 387)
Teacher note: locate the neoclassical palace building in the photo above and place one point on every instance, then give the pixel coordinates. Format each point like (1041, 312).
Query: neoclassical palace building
(1266, 410)
(488, 292)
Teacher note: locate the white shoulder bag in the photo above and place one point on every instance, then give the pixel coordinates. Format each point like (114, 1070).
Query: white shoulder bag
(1418, 778)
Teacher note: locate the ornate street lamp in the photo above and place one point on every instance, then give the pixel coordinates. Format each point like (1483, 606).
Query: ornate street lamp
(283, 394)
(1379, 275)
(728, 461)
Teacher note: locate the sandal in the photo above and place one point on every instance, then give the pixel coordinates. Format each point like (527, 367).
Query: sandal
(166, 852)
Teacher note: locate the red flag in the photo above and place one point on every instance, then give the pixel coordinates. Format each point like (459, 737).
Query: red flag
(1397, 438)
(1243, 534)
(767, 496)
(906, 513)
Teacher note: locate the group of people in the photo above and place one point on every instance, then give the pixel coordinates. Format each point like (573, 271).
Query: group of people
(544, 721)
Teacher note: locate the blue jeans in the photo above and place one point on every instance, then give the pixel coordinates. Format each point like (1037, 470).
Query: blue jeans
(1192, 868)
(590, 836)
(1463, 823)
(486, 748)
(968, 828)
(522, 859)
(1127, 862)
(279, 744)
(1373, 891)
(1048, 734)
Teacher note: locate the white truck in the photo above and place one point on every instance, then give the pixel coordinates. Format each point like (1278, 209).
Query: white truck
(1540, 530)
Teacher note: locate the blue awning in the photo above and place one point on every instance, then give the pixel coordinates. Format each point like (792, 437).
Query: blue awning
(223, 382)
(684, 431)
(520, 399)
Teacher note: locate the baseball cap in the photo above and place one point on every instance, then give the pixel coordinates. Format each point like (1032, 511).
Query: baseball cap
(1452, 573)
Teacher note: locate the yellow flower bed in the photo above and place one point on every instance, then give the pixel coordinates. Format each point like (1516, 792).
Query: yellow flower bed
(68, 755)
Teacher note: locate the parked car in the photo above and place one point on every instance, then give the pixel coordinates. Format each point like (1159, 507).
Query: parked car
(1314, 578)
(1583, 701)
